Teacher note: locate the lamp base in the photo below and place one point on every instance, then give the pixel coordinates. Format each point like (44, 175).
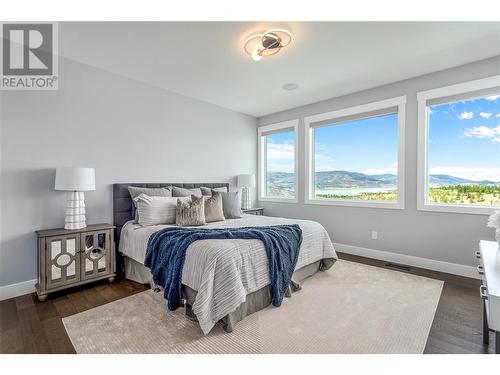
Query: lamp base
(246, 199)
(75, 211)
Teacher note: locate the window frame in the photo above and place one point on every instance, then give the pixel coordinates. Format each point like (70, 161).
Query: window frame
(423, 97)
(262, 159)
(309, 121)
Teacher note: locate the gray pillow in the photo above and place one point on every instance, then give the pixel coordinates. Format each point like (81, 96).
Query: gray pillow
(213, 208)
(231, 204)
(135, 191)
(208, 191)
(190, 213)
(181, 192)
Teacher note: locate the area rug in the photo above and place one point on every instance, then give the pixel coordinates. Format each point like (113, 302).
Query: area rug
(351, 308)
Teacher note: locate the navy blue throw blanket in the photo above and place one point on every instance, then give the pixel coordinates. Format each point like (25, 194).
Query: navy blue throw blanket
(167, 250)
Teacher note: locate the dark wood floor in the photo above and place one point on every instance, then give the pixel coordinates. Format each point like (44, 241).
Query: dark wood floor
(30, 326)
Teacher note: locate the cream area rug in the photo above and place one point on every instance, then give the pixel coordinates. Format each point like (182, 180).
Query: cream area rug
(351, 308)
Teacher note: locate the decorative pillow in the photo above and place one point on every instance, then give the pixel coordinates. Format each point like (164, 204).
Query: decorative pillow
(156, 210)
(208, 191)
(231, 204)
(135, 191)
(181, 192)
(190, 213)
(213, 208)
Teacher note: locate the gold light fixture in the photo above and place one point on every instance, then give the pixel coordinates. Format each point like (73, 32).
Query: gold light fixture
(267, 43)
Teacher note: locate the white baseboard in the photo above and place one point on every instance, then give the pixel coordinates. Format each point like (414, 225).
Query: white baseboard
(18, 289)
(409, 260)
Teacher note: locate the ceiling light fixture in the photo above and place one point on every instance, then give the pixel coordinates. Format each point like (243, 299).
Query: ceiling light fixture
(290, 86)
(267, 43)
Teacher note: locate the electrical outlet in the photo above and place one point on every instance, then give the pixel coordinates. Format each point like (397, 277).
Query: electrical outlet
(374, 235)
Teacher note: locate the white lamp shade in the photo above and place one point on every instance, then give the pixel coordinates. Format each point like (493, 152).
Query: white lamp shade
(75, 179)
(246, 180)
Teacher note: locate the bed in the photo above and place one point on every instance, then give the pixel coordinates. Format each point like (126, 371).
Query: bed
(222, 280)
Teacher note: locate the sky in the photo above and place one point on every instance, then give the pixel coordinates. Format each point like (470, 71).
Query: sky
(368, 146)
(464, 141)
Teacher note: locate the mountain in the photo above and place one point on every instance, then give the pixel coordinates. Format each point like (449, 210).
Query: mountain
(346, 179)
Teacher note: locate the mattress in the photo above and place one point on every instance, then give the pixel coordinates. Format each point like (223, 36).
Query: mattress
(223, 272)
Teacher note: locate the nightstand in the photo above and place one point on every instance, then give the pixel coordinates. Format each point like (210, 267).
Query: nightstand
(68, 258)
(254, 211)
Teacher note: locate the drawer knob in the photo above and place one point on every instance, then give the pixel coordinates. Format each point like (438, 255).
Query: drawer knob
(478, 254)
(480, 270)
(483, 291)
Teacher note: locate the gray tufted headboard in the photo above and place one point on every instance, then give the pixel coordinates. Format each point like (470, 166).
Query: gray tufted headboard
(123, 208)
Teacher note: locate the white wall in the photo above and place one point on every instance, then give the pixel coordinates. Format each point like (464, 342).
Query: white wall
(128, 131)
(439, 236)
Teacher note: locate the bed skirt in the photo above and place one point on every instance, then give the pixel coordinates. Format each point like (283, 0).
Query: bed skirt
(255, 301)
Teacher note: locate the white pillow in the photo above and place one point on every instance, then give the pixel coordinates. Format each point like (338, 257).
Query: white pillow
(156, 210)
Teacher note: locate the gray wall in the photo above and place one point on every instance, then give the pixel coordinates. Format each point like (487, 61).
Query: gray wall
(127, 130)
(440, 236)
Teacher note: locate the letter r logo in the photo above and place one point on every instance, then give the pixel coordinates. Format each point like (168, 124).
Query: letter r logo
(27, 49)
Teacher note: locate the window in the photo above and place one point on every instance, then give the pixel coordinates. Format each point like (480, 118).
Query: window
(355, 156)
(278, 162)
(459, 147)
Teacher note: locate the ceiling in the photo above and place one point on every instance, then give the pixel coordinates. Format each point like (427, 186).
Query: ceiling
(205, 60)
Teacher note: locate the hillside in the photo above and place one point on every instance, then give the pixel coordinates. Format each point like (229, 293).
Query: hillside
(346, 179)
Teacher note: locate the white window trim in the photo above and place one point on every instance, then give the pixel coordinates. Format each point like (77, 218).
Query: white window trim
(423, 133)
(262, 156)
(398, 102)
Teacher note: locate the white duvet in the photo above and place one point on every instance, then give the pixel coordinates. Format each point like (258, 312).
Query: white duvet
(224, 271)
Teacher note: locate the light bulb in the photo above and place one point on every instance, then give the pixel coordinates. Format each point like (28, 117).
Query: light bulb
(256, 56)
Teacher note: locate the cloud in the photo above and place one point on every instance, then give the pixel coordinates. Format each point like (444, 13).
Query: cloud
(493, 97)
(323, 163)
(280, 157)
(484, 132)
(474, 174)
(466, 115)
(485, 114)
(498, 115)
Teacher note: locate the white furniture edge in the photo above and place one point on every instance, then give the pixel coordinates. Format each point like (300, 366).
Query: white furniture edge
(399, 102)
(17, 289)
(261, 156)
(410, 260)
(489, 255)
(423, 130)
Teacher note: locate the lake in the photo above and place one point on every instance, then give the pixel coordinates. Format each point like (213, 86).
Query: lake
(354, 191)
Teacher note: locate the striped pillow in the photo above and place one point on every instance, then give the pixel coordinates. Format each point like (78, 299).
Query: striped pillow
(156, 210)
(135, 191)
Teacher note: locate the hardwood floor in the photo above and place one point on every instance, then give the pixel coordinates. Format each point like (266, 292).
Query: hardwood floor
(30, 326)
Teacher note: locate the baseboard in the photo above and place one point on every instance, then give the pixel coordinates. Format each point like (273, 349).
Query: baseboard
(409, 260)
(18, 289)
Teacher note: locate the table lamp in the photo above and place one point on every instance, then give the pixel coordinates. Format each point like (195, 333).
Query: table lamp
(76, 181)
(246, 181)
